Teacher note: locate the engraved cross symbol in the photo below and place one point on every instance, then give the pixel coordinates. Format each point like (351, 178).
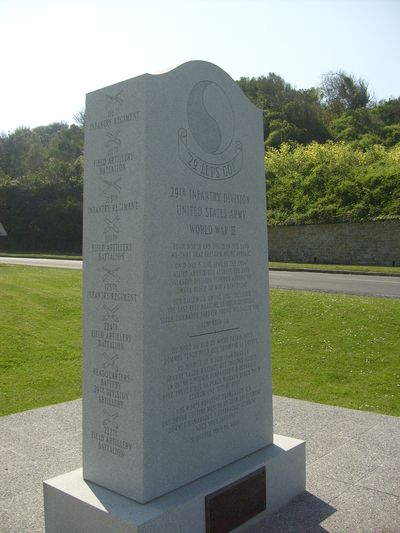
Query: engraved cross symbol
(111, 225)
(113, 139)
(111, 274)
(117, 99)
(113, 185)
(110, 361)
(111, 313)
(110, 420)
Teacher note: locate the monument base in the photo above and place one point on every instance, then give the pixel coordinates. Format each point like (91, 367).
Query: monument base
(73, 504)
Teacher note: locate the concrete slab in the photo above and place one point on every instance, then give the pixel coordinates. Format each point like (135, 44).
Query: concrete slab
(353, 473)
(384, 478)
(362, 510)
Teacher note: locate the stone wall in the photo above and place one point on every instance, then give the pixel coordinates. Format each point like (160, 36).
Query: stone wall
(364, 243)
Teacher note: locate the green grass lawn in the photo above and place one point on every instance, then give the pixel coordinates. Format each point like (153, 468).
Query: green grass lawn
(40, 337)
(335, 349)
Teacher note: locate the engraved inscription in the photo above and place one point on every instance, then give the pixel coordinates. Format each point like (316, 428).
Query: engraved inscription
(212, 379)
(112, 99)
(111, 274)
(110, 300)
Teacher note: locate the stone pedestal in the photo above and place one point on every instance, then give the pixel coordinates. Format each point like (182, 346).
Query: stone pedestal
(74, 505)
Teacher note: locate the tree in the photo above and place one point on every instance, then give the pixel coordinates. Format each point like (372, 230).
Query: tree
(79, 117)
(341, 92)
(268, 92)
(388, 111)
(354, 124)
(14, 151)
(67, 144)
(41, 187)
(308, 117)
(289, 114)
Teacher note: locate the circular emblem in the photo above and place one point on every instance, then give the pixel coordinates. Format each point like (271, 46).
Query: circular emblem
(210, 117)
(207, 145)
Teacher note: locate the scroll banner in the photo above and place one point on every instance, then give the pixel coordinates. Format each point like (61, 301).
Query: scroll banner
(213, 169)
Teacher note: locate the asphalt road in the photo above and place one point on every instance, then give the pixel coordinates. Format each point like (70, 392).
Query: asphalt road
(54, 263)
(384, 286)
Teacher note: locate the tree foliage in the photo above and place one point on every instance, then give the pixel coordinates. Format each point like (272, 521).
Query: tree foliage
(289, 114)
(340, 109)
(332, 182)
(332, 156)
(41, 174)
(341, 91)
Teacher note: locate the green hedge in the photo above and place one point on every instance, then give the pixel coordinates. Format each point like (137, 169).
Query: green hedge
(332, 182)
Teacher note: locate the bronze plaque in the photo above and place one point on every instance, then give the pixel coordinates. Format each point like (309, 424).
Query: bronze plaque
(236, 503)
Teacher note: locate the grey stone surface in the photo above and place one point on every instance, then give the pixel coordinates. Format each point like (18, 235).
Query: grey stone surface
(33, 447)
(350, 462)
(332, 504)
(385, 478)
(361, 510)
(74, 504)
(327, 489)
(176, 346)
(364, 243)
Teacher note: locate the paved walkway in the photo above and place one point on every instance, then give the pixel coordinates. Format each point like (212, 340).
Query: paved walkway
(353, 467)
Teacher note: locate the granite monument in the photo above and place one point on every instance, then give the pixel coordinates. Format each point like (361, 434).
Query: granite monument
(177, 399)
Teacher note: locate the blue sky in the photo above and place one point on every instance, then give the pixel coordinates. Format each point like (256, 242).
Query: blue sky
(55, 51)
